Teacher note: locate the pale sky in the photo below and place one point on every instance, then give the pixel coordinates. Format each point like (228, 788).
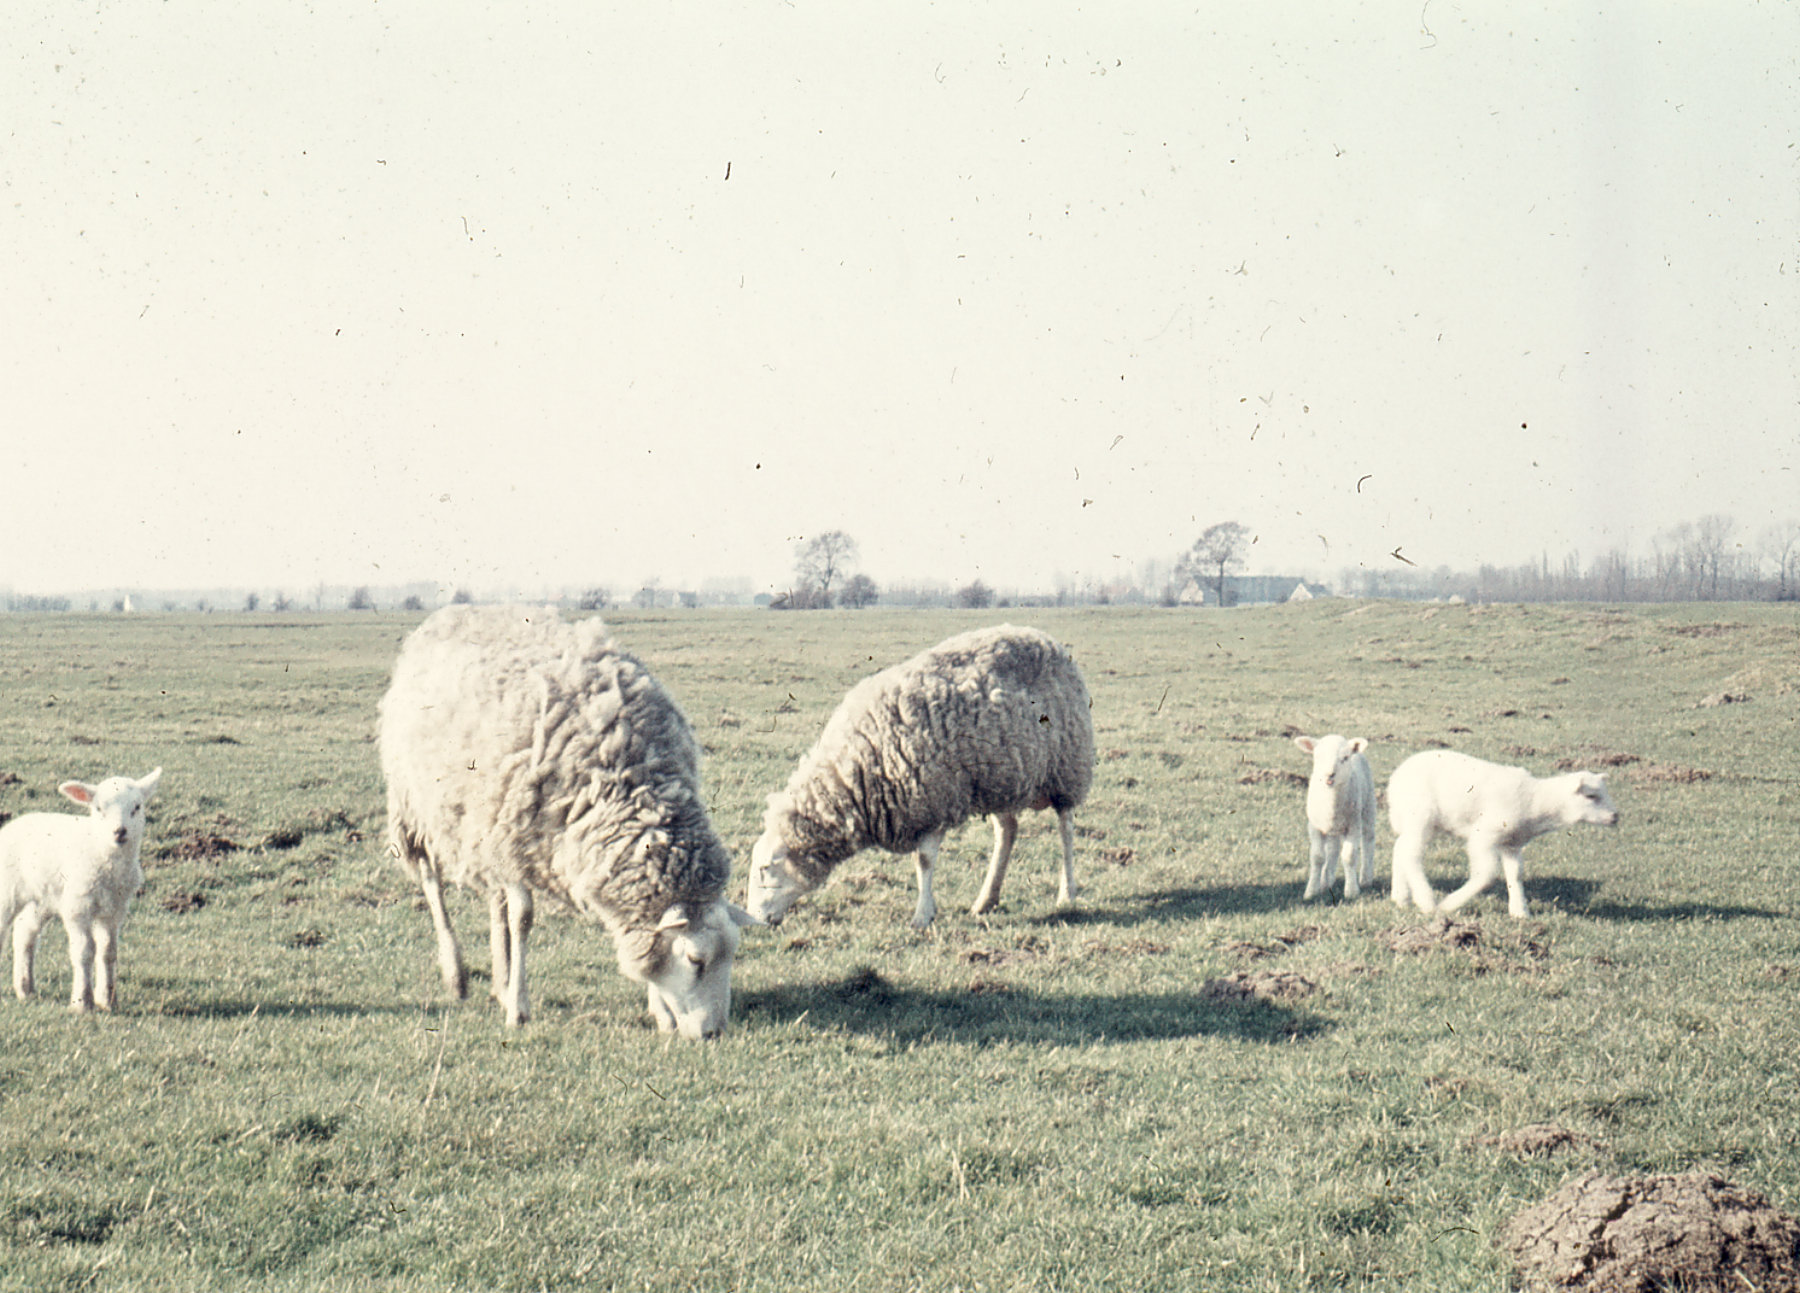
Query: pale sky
(370, 291)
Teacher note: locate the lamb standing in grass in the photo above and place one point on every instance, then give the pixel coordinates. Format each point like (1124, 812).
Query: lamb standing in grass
(525, 753)
(84, 870)
(1340, 809)
(991, 722)
(1497, 809)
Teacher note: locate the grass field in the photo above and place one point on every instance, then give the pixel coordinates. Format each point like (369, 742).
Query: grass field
(1031, 1100)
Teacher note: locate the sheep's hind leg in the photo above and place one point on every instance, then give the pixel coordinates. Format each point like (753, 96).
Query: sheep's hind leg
(1068, 890)
(1409, 874)
(1512, 864)
(1006, 830)
(81, 962)
(450, 960)
(25, 935)
(927, 860)
(499, 945)
(518, 924)
(1484, 867)
(106, 965)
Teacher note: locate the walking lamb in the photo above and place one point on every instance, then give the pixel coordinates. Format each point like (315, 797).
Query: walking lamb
(524, 753)
(1497, 809)
(83, 869)
(993, 722)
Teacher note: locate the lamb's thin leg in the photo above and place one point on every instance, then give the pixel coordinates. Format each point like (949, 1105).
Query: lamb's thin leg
(499, 944)
(1409, 873)
(81, 961)
(1006, 830)
(450, 960)
(927, 859)
(1340, 850)
(1484, 869)
(1316, 879)
(1512, 862)
(25, 929)
(1065, 827)
(1365, 852)
(106, 965)
(518, 925)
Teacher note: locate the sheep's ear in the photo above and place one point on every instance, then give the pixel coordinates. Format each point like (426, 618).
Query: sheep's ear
(1358, 745)
(79, 791)
(740, 917)
(676, 917)
(147, 784)
(1305, 743)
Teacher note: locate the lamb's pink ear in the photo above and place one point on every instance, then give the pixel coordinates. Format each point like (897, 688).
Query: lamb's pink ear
(1358, 745)
(79, 791)
(1305, 743)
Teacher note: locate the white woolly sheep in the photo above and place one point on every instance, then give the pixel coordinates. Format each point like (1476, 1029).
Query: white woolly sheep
(84, 870)
(1340, 809)
(524, 753)
(989, 722)
(1496, 809)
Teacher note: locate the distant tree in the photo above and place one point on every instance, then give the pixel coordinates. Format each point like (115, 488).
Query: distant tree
(975, 597)
(593, 599)
(251, 601)
(461, 597)
(1707, 551)
(281, 602)
(360, 599)
(1781, 544)
(860, 591)
(413, 602)
(821, 561)
(1217, 553)
(645, 598)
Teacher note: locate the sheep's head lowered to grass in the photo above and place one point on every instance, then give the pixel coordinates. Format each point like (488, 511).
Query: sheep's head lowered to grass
(774, 884)
(685, 964)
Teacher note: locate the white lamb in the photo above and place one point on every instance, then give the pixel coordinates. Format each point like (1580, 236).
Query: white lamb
(1496, 809)
(1340, 809)
(989, 722)
(84, 870)
(524, 753)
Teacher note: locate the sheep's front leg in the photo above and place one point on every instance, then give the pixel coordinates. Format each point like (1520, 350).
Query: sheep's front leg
(518, 925)
(1006, 830)
(1484, 868)
(1065, 827)
(25, 935)
(450, 961)
(1409, 874)
(81, 961)
(1365, 854)
(1315, 870)
(1513, 862)
(927, 860)
(106, 965)
(1342, 851)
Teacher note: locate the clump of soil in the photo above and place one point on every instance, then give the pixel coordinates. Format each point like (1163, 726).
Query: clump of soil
(183, 903)
(1275, 947)
(1119, 855)
(1666, 774)
(1722, 698)
(201, 846)
(1268, 985)
(1609, 1234)
(1437, 934)
(1611, 759)
(1517, 951)
(1537, 1140)
(1278, 776)
(11, 779)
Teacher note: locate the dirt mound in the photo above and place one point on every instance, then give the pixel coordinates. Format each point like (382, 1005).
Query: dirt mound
(1269, 985)
(1666, 774)
(200, 846)
(1267, 776)
(1609, 1234)
(1722, 698)
(182, 903)
(1516, 951)
(1434, 935)
(1275, 947)
(1537, 1140)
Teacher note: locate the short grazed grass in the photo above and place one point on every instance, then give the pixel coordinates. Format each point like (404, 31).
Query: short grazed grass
(1036, 1099)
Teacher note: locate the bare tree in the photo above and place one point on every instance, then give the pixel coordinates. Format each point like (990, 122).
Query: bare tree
(976, 596)
(1705, 553)
(593, 599)
(461, 597)
(820, 560)
(1216, 554)
(251, 601)
(360, 599)
(860, 591)
(1781, 545)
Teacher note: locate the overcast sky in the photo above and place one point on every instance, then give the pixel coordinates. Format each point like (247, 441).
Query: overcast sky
(542, 295)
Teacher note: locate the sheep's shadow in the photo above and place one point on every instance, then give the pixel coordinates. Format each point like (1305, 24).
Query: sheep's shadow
(1185, 903)
(866, 1002)
(1579, 896)
(236, 1008)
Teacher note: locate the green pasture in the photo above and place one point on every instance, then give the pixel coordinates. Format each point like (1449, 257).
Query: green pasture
(1038, 1099)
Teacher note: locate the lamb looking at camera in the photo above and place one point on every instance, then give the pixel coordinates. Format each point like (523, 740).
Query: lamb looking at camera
(524, 753)
(1340, 809)
(83, 869)
(1496, 809)
(993, 721)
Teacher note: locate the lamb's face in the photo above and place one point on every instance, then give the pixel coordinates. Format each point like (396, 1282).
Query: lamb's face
(690, 987)
(774, 887)
(1331, 757)
(117, 805)
(1588, 801)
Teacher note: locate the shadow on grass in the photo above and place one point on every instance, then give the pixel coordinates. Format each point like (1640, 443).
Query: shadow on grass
(274, 1009)
(1577, 897)
(1189, 902)
(867, 1002)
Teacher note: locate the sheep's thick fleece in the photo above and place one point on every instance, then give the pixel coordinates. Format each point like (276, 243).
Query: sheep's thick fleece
(991, 721)
(521, 748)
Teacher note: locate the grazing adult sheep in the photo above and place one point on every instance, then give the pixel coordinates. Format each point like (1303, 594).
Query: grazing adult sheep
(524, 753)
(1496, 809)
(84, 870)
(990, 722)
(1340, 809)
